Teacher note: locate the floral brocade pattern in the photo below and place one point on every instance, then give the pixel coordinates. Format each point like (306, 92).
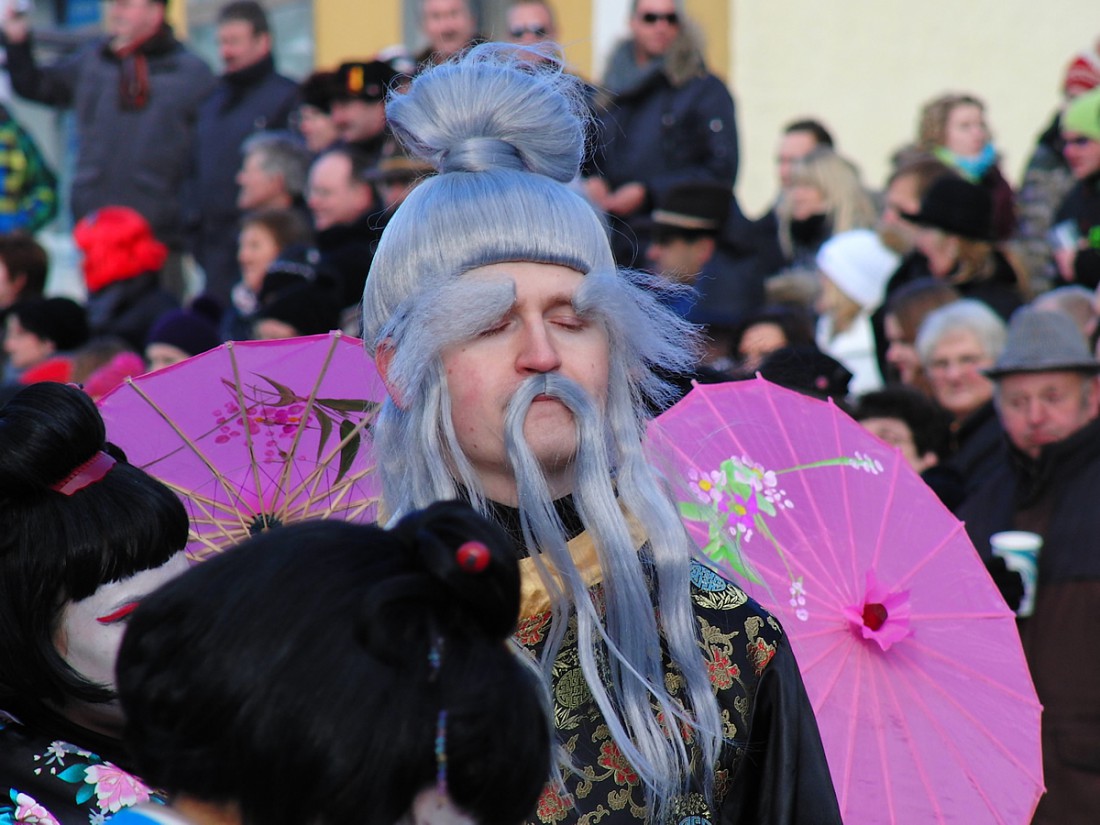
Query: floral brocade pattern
(53, 782)
(737, 641)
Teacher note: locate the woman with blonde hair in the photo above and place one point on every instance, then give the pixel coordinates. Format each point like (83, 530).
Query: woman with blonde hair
(826, 197)
(953, 129)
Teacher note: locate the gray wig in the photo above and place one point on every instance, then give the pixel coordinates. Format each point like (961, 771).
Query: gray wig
(507, 138)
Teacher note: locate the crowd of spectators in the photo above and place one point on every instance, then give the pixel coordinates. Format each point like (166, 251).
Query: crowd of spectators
(921, 306)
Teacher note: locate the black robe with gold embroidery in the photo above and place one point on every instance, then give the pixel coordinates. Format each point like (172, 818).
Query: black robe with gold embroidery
(773, 768)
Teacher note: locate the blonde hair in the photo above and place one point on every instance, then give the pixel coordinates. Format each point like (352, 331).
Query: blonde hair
(847, 203)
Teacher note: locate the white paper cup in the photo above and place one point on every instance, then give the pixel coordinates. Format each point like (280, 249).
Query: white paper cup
(1020, 551)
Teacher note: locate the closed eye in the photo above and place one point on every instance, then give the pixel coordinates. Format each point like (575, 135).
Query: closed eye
(569, 321)
(497, 326)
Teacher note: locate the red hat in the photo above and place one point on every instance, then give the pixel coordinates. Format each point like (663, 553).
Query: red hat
(1082, 74)
(118, 244)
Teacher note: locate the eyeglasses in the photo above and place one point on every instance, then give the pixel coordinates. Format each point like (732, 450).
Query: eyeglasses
(650, 18)
(518, 31)
(963, 362)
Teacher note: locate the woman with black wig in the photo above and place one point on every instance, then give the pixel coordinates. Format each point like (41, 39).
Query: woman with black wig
(329, 673)
(83, 537)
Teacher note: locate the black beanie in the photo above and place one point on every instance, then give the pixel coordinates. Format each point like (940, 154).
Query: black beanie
(60, 320)
(306, 307)
(189, 331)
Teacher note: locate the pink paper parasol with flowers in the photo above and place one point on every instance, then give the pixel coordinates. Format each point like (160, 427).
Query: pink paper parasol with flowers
(910, 657)
(255, 434)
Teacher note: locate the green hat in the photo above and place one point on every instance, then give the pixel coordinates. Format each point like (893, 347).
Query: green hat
(1082, 115)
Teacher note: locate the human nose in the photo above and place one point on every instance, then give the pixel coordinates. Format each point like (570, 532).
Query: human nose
(537, 350)
(954, 370)
(1035, 412)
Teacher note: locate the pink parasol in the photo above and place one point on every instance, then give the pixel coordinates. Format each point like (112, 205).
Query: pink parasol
(910, 657)
(255, 434)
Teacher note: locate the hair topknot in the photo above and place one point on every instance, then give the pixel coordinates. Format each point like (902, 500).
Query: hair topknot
(474, 121)
(46, 430)
(442, 593)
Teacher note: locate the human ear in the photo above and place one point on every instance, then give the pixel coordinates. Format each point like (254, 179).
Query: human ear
(383, 358)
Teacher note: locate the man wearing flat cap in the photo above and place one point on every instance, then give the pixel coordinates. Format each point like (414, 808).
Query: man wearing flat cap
(1047, 399)
(359, 107)
(686, 247)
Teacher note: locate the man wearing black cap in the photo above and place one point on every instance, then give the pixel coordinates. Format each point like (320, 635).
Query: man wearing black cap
(1048, 400)
(250, 97)
(686, 248)
(359, 107)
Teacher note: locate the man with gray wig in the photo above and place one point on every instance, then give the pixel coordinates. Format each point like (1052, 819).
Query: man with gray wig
(519, 363)
(1048, 400)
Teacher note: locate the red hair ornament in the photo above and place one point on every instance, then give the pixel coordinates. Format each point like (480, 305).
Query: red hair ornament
(473, 556)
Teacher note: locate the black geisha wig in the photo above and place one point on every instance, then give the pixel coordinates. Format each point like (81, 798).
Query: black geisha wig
(329, 672)
(60, 542)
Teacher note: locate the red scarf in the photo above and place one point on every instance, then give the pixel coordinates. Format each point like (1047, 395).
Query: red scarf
(133, 76)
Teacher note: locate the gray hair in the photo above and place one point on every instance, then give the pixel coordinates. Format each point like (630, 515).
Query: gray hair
(507, 138)
(281, 154)
(965, 315)
(1073, 300)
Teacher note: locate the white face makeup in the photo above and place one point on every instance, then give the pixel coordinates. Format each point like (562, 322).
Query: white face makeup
(90, 630)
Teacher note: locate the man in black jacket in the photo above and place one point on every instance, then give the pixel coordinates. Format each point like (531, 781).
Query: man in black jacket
(664, 120)
(1048, 401)
(1077, 223)
(249, 97)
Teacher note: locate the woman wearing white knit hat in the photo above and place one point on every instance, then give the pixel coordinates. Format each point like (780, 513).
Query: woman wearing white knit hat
(854, 267)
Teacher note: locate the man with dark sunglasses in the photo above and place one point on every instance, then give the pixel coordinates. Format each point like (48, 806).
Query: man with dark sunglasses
(664, 120)
(531, 22)
(1077, 222)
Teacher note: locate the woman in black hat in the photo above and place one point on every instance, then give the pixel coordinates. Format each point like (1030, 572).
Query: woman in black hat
(956, 236)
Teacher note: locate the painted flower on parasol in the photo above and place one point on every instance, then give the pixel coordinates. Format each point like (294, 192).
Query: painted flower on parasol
(736, 502)
(256, 434)
(911, 659)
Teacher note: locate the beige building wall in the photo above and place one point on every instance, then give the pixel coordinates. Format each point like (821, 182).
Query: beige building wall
(865, 67)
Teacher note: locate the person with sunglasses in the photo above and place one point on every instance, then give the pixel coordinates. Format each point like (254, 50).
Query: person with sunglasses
(664, 120)
(531, 22)
(1076, 230)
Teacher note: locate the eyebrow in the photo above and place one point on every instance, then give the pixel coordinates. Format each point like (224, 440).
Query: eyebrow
(562, 299)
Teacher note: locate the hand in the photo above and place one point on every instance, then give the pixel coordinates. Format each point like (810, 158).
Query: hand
(626, 200)
(1065, 259)
(597, 191)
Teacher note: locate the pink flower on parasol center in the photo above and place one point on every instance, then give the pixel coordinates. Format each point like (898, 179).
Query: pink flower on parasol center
(881, 617)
